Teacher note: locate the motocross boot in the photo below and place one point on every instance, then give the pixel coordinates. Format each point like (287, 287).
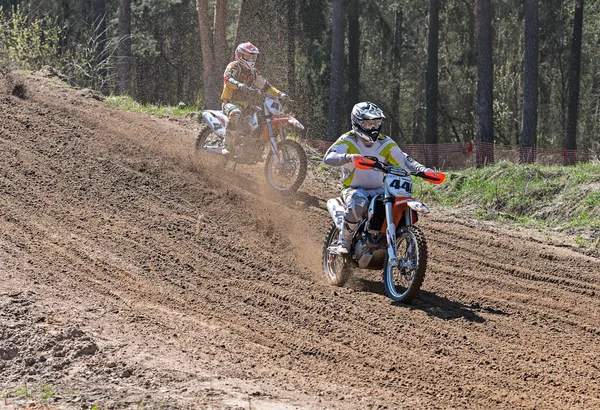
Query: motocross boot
(345, 238)
(226, 144)
(231, 128)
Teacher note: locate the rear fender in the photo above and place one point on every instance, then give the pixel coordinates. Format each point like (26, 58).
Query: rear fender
(216, 120)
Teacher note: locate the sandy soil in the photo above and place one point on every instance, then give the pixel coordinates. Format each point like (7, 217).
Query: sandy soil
(132, 276)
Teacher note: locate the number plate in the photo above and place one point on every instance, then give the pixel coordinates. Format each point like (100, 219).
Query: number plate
(399, 185)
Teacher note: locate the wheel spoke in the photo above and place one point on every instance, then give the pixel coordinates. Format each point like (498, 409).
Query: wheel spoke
(291, 170)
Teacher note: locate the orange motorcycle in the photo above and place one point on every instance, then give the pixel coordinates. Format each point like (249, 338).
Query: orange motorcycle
(387, 237)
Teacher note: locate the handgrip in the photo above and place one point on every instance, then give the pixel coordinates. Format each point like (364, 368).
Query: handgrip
(434, 177)
(362, 162)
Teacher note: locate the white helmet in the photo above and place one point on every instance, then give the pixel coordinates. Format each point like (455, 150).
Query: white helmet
(246, 54)
(366, 119)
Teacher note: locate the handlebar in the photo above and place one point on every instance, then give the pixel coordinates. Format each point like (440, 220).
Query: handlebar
(368, 162)
(263, 93)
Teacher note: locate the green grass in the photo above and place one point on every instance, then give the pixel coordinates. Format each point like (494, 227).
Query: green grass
(38, 394)
(563, 198)
(126, 103)
(45, 392)
(22, 392)
(42, 393)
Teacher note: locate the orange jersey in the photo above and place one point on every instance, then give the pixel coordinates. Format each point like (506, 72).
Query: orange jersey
(236, 74)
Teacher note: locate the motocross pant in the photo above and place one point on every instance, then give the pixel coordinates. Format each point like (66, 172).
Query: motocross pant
(357, 204)
(234, 113)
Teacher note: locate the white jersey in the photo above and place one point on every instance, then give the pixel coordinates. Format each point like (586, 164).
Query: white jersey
(385, 149)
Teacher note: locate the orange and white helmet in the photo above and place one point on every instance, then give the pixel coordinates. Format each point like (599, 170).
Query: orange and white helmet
(246, 54)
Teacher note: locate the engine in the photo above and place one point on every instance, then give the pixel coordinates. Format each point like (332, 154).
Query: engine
(247, 149)
(370, 251)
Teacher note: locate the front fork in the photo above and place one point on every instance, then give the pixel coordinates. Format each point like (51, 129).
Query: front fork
(391, 229)
(273, 142)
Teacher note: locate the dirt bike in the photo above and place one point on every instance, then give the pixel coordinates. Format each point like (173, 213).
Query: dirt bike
(386, 238)
(286, 161)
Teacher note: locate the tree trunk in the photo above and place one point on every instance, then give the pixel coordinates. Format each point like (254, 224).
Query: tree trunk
(530, 83)
(485, 84)
(395, 131)
(570, 156)
(336, 84)
(100, 34)
(353, 58)
(212, 76)
(516, 98)
(246, 29)
(432, 84)
(260, 23)
(124, 60)
(220, 48)
(291, 47)
(66, 16)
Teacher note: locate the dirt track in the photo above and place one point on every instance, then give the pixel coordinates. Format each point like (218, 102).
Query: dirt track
(133, 277)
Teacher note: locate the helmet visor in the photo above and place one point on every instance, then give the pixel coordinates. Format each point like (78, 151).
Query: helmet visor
(370, 124)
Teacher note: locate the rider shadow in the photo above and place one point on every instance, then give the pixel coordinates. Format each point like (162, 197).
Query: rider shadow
(430, 303)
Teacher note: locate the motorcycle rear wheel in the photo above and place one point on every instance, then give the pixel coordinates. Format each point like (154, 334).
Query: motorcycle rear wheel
(335, 267)
(403, 282)
(288, 175)
(208, 144)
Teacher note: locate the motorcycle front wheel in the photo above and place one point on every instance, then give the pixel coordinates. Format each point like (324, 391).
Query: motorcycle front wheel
(335, 267)
(402, 283)
(288, 175)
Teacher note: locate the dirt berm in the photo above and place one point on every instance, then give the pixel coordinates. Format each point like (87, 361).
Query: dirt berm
(132, 276)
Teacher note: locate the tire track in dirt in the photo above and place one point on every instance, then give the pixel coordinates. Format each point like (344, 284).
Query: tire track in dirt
(558, 298)
(198, 274)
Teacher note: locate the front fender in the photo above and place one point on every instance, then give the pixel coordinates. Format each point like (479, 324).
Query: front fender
(287, 119)
(418, 206)
(401, 204)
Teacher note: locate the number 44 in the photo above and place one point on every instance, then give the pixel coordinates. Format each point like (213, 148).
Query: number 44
(404, 185)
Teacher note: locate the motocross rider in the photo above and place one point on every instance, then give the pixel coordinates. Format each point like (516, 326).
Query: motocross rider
(241, 78)
(360, 185)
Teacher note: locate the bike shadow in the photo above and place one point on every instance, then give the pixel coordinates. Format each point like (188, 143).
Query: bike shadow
(430, 303)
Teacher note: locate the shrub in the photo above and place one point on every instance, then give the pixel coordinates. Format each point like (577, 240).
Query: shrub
(29, 42)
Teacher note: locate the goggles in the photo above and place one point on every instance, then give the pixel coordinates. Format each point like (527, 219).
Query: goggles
(370, 124)
(249, 57)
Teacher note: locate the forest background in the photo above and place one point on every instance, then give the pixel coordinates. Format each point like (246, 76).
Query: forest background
(516, 73)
